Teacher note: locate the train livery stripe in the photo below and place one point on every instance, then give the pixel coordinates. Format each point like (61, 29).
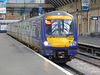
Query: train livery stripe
(59, 17)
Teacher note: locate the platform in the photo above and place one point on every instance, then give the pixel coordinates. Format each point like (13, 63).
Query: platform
(90, 41)
(17, 59)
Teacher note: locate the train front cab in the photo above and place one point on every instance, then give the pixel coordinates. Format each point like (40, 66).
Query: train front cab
(60, 38)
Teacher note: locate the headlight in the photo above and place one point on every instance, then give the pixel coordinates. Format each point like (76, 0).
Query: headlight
(74, 43)
(71, 44)
(46, 43)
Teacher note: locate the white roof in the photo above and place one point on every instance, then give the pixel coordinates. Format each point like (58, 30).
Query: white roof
(8, 21)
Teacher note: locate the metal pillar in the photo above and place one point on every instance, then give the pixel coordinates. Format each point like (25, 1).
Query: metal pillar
(87, 21)
(24, 9)
(76, 13)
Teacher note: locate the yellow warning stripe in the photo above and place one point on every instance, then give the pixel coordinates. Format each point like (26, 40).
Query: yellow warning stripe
(59, 17)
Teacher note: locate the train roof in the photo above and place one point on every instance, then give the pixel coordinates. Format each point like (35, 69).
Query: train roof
(8, 21)
(50, 14)
(57, 13)
(47, 14)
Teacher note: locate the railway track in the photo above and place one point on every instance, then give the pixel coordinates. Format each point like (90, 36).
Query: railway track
(71, 69)
(83, 64)
(88, 58)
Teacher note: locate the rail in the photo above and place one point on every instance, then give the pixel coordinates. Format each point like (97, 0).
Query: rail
(91, 49)
(89, 59)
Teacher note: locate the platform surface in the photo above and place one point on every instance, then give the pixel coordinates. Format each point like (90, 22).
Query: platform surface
(17, 59)
(87, 40)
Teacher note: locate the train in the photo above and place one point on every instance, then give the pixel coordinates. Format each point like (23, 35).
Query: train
(53, 35)
(4, 23)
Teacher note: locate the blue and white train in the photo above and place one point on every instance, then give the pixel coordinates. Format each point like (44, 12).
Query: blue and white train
(53, 35)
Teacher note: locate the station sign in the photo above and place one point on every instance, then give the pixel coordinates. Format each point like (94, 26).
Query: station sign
(40, 10)
(85, 5)
(94, 18)
(2, 6)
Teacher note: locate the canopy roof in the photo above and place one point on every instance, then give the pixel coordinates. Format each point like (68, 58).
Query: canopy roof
(59, 3)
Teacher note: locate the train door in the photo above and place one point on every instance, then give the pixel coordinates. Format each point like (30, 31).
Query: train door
(32, 32)
(23, 31)
(31, 28)
(19, 32)
(38, 33)
(27, 32)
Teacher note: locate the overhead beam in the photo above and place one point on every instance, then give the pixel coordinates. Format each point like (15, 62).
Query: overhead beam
(65, 1)
(62, 2)
(68, 1)
(53, 4)
(30, 5)
(71, 1)
(58, 1)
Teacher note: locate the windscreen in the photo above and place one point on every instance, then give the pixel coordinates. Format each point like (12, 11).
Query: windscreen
(59, 27)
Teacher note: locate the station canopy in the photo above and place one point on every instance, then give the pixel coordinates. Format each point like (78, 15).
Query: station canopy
(26, 6)
(55, 3)
(59, 3)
